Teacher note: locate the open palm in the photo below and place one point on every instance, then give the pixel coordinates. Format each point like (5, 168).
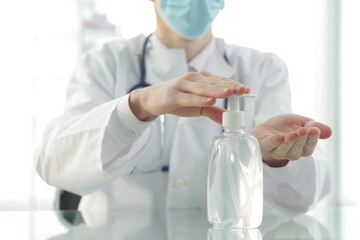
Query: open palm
(289, 137)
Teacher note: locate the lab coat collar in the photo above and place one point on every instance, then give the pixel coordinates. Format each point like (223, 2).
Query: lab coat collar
(211, 59)
(199, 62)
(163, 63)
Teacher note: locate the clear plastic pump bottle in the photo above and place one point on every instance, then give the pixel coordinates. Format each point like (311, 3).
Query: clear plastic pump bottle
(235, 177)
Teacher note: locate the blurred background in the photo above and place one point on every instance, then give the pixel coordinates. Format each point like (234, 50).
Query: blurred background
(41, 40)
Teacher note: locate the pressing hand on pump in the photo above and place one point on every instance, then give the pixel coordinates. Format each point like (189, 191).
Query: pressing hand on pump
(288, 137)
(193, 94)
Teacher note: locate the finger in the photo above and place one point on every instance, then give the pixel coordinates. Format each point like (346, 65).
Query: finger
(217, 81)
(302, 131)
(311, 142)
(297, 148)
(325, 131)
(208, 74)
(240, 88)
(269, 143)
(228, 86)
(314, 131)
(204, 89)
(190, 100)
(208, 78)
(212, 112)
(281, 152)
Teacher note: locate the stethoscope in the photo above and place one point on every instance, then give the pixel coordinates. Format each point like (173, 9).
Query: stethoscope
(143, 84)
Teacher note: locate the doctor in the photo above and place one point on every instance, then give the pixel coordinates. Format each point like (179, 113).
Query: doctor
(148, 148)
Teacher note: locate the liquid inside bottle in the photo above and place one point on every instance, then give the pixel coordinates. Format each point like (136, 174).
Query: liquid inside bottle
(235, 181)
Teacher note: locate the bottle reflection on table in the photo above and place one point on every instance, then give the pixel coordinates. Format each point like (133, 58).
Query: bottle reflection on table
(234, 234)
(189, 224)
(299, 228)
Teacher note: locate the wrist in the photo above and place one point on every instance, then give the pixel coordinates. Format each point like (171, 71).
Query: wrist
(275, 162)
(136, 100)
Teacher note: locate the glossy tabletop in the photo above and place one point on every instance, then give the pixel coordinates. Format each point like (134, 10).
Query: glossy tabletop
(340, 223)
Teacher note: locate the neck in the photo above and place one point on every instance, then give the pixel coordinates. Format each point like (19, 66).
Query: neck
(173, 40)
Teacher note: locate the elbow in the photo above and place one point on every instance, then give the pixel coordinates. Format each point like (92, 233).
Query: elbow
(49, 172)
(43, 167)
(64, 175)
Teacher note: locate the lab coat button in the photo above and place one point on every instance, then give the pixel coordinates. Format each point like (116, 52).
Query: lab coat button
(130, 133)
(179, 184)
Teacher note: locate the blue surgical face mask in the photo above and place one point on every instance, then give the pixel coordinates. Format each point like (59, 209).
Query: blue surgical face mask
(190, 18)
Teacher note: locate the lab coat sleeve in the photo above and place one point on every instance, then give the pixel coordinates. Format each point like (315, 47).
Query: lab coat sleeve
(98, 138)
(273, 92)
(297, 187)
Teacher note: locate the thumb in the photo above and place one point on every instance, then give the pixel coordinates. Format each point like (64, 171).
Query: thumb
(213, 112)
(325, 131)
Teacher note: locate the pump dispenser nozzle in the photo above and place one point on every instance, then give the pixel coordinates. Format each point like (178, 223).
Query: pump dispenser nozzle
(234, 118)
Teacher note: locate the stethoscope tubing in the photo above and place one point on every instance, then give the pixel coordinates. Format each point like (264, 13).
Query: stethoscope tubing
(143, 84)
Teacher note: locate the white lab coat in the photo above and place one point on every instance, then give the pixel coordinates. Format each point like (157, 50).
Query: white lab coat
(99, 145)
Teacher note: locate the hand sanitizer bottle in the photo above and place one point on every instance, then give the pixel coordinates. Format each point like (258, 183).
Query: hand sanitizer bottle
(235, 177)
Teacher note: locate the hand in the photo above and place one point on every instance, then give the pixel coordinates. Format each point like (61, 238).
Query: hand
(192, 94)
(288, 137)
